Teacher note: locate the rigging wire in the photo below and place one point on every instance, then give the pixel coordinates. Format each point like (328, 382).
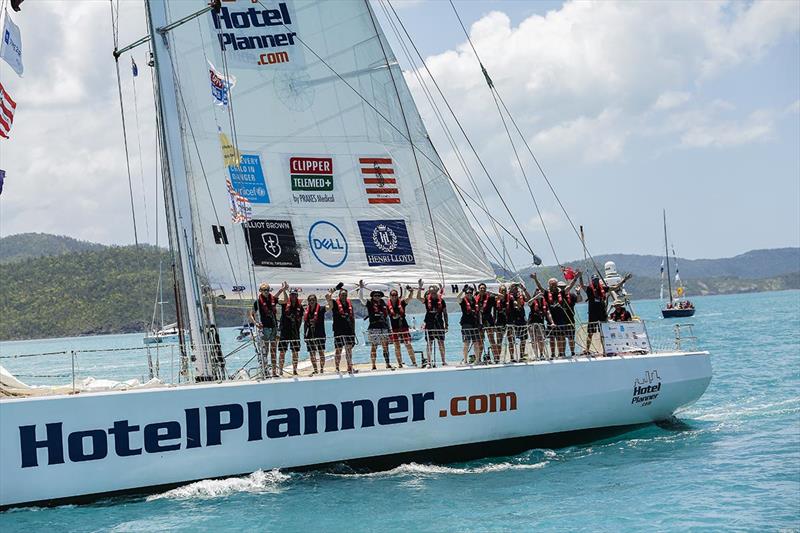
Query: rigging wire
(397, 129)
(408, 131)
(524, 140)
(451, 140)
(141, 164)
(115, 33)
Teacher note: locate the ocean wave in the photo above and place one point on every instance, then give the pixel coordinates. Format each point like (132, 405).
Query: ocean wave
(426, 470)
(257, 482)
(733, 411)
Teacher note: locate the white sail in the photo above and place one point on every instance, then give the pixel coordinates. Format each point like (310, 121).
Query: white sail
(333, 191)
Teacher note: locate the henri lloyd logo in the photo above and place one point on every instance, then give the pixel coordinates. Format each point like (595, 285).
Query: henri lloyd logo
(311, 180)
(328, 244)
(386, 242)
(272, 243)
(258, 36)
(646, 390)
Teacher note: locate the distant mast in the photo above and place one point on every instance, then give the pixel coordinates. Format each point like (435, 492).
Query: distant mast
(666, 256)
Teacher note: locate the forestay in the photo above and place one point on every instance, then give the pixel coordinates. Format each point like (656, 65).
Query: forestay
(332, 191)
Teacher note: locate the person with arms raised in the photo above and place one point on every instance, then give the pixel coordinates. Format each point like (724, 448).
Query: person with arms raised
(378, 328)
(399, 325)
(314, 332)
(597, 299)
(436, 321)
(344, 326)
(264, 315)
(470, 324)
(291, 319)
(485, 302)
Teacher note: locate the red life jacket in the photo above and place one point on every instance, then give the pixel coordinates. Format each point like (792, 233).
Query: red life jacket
(381, 308)
(502, 302)
(316, 313)
(536, 307)
(549, 296)
(429, 304)
(400, 306)
(268, 304)
(341, 307)
(482, 304)
(296, 308)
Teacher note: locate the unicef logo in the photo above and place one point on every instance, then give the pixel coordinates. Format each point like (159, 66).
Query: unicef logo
(384, 238)
(328, 244)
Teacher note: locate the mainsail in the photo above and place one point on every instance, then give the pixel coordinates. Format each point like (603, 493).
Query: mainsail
(338, 180)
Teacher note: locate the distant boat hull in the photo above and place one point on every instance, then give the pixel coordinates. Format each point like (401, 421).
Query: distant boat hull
(677, 313)
(72, 448)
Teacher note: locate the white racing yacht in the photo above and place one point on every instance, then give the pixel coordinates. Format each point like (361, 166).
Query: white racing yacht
(296, 115)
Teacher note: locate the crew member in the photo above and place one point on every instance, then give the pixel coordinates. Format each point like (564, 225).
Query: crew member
(314, 332)
(597, 298)
(378, 328)
(397, 320)
(436, 321)
(538, 317)
(344, 326)
(266, 305)
(517, 321)
(291, 319)
(619, 313)
(570, 299)
(501, 304)
(486, 308)
(470, 323)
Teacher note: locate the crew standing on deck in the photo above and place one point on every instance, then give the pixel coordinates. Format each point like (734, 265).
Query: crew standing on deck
(436, 321)
(538, 318)
(264, 315)
(291, 319)
(378, 328)
(397, 320)
(570, 299)
(470, 323)
(314, 332)
(597, 299)
(517, 321)
(344, 326)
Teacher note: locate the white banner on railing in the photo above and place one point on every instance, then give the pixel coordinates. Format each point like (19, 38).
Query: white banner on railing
(625, 337)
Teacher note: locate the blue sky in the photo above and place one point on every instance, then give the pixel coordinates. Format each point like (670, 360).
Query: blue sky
(630, 107)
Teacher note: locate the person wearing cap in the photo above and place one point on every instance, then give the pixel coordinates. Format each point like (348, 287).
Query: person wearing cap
(314, 332)
(436, 321)
(557, 300)
(619, 313)
(264, 315)
(597, 298)
(517, 321)
(344, 326)
(291, 319)
(378, 328)
(538, 317)
(570, 299)
(399, 325)
(470, 323)
(486, 310)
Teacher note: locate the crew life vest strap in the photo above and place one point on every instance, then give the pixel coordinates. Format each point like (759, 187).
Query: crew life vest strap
(267, 304)
(316, 313)
(341, 307)
(429, 304)
(598, 291)
(392, 310)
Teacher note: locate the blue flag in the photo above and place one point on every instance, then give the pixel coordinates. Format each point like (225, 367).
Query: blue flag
(2, 179)
(134, 68)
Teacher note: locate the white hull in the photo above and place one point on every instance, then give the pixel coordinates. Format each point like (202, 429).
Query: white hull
(413, 411)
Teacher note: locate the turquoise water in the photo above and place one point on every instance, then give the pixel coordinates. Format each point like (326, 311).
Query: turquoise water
(731, 461)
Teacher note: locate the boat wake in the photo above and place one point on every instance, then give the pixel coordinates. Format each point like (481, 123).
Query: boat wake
(258, 482)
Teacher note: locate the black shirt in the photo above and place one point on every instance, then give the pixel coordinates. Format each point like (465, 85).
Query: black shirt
(266, 309)
(620, 315)
(597, 303)
(342, 318)
(291, 317)
(314, 328)
(397, 315)
(486, 308)
(469, 312)
(434, 313)
(377, 313)
(538, 311)
(516, 311)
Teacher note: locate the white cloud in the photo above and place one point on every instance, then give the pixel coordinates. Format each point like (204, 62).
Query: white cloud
(671, 99)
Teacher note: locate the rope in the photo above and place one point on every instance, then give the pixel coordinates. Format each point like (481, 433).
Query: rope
(115, 32)
(141, 165)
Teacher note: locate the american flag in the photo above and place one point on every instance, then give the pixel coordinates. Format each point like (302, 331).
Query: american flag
(7, 108)
(241, 210)
(379, 180)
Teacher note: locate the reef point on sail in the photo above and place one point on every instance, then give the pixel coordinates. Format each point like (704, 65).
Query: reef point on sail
(253, 18)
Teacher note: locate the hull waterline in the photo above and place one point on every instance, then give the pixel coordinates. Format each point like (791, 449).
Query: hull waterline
(75, 448)
(677, 313)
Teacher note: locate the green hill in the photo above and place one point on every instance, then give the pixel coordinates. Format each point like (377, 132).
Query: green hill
(28, 245)
(54, 286)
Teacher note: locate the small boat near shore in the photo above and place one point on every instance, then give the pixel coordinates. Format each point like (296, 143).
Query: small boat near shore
(677, 306)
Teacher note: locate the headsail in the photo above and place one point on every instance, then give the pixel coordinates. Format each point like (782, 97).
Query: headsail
(328, 135)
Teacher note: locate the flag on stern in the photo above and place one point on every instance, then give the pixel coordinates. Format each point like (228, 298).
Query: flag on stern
(7, 108)
(11, 46)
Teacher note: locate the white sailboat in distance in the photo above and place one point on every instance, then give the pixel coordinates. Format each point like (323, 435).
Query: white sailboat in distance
(335, 180)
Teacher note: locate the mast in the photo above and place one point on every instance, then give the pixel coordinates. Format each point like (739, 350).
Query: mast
(176, 191)
(666, 255)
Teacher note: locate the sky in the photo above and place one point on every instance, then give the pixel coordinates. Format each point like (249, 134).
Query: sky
(630, 107)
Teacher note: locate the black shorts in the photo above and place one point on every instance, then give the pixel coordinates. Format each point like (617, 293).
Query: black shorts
(434, 335)
(593, 327)
(316, 344)
(344, 341)
(470, 334)
(289, 344)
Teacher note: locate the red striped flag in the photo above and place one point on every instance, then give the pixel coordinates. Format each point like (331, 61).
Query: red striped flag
(379, 180)
(7, 108)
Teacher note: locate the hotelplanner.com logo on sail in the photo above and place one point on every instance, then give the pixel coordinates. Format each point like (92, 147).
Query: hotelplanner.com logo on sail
(256, 32)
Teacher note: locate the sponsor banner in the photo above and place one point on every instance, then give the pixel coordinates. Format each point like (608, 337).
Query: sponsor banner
(11, 46)
(379, 180)
(248, 179)
(624, 337)
(311, 180)
(328, 243)
(272, 243)
(258, 35)
(386, 242)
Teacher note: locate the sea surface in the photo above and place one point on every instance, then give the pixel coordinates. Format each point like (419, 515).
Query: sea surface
(730, 461)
